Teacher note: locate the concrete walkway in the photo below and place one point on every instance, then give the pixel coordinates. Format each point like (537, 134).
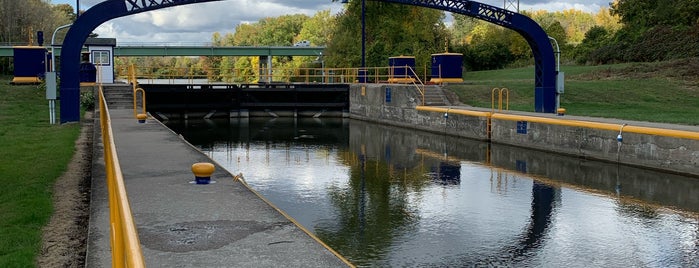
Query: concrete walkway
(182, 224)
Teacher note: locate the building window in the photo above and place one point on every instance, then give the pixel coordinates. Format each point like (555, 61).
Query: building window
(101, 57)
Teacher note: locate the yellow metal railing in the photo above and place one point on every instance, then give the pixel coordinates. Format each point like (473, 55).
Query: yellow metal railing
(131, 76)
(135, 101)
(500, 92)
(247, 75)
(417, 82)
(133, 80)
(126, 248)
(254, 75)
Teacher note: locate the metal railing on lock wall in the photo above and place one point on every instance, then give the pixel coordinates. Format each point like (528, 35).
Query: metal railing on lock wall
(500, 93)
(133, 80)
(175, 75)
(126, 247)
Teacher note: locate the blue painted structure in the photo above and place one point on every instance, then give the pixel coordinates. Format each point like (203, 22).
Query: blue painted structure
(398, 66)
(30, 64)
(545, 66)
(447, 66)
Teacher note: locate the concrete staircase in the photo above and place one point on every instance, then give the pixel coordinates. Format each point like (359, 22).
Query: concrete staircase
(119, 96)
(434, 96)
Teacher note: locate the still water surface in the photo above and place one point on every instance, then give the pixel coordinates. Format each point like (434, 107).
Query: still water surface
(390, 197)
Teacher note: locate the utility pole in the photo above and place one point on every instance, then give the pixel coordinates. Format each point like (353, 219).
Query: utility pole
(363, 33)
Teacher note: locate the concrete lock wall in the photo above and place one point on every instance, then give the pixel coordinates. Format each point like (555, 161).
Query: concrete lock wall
(653, 149)
(374, 104)
(673, 154)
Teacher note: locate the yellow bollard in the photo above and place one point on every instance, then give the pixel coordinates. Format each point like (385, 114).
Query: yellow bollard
(202, 172)
(561, 111)
(141, 118)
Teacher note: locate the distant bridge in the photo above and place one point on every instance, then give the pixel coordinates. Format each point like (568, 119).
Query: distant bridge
(167, 50)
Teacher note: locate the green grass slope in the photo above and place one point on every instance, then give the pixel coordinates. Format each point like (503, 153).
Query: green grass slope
(32, 155)
(656, 92)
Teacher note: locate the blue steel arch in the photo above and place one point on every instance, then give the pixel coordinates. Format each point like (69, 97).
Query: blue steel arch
(538, 40)
(78, 33)
(545, 73)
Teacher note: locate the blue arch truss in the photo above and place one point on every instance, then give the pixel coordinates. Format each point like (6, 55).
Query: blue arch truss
(545, 68)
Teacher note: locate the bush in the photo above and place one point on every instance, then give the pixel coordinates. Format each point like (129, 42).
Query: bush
(659, 43)
(87, 100)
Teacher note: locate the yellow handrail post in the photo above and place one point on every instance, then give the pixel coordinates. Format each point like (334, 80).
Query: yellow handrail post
(419, 89)
(507, 96)
(500, 100)
(492, 99)
(500, 92)
(132, 76)
(143, 101)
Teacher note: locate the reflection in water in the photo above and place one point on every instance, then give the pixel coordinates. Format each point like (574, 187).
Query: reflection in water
(385, 196)
(541, 210)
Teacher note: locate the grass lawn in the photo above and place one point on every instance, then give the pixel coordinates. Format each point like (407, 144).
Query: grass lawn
(33, 155)
(656, 92)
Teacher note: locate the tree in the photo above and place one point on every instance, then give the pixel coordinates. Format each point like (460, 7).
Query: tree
(392, 30)
(594, 39)
(20, 20)
(280, 31)
(318, 29)
(640, 15)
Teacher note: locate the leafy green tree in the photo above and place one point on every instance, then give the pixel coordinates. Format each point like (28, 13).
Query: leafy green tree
(245, 35)
(318, 29)
(280, 31)
(489, 48)
(461, 28)
(391, 29)
(594, 39)
(65, 10)
(606, 19)
(20, 20)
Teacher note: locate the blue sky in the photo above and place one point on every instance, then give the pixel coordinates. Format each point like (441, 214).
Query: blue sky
(196, 23)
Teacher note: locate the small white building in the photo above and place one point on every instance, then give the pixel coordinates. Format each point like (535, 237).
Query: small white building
(102, 56)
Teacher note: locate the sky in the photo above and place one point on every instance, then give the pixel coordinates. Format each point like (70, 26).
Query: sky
(196, 23)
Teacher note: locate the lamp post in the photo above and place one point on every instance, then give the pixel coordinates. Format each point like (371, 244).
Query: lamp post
(51, 78)
(559, 75)
(53, 44)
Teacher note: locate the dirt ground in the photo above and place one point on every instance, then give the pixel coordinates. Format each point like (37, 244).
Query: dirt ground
(65, 237)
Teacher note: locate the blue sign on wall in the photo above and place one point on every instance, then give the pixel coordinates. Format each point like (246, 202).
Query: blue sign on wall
(521, 166)
(388, 94)
(522, 127)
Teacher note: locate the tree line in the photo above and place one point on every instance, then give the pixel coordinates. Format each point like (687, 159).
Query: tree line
(20, 20)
